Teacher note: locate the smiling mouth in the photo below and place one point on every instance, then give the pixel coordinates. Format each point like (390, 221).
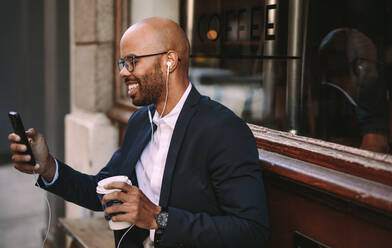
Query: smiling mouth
(132, 88)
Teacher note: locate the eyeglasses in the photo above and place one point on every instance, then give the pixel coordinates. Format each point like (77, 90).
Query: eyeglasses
(130, 61)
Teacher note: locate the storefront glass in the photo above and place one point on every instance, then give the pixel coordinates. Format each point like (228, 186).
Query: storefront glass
(314, 68)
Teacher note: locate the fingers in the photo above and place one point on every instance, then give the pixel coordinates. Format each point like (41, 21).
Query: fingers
(135, 208)
(21, 163)
(17, 148)
(32, 132)
(120, 185)
(23, 167)
(21, 158)
(129, 193)
(119, 196)
(13, 137)
(120, 208)
(121, 217)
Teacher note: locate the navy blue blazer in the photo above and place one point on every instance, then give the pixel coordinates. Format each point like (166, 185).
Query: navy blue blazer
(212, 183)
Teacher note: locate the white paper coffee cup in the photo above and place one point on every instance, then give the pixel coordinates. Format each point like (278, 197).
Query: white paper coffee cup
(101, 190)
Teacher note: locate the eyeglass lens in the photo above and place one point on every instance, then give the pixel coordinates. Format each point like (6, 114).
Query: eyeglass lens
(127, 63)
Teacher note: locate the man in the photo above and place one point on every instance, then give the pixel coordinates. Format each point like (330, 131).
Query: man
(200, 170)
(353, 103)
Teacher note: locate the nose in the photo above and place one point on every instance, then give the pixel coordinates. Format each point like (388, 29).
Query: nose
(124, 72)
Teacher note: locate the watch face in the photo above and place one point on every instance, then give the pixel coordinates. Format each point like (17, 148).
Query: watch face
(162, 219)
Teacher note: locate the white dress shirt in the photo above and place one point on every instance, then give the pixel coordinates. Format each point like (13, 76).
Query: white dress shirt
(151, 165)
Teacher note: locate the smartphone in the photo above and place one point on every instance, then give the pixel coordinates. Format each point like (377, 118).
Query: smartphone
(17, 124)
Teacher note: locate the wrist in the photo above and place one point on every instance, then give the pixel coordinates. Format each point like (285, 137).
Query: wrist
(49, 169)
(156, 212)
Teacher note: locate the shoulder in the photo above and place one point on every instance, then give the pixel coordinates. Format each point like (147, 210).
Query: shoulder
(216, 110)
(218, 118)
(225, 132)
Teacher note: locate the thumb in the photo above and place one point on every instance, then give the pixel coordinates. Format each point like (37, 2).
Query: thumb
(32, 133)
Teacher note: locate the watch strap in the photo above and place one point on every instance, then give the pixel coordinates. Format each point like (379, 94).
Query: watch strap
(159, 232)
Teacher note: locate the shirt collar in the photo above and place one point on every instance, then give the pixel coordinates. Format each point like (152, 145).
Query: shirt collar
(343, 91)
(171, 118)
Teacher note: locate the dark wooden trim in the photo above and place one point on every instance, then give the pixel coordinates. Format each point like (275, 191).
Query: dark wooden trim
(117, 35)
(343, 185)
(324, 198)
(121, 23)
(365, 164)
(325, 217)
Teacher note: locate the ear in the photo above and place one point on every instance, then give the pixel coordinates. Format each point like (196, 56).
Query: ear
(359, 67)
(356, 68)
(172, 60)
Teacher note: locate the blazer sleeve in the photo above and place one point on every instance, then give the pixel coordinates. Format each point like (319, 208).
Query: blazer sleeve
(236, 176)
(78, 187)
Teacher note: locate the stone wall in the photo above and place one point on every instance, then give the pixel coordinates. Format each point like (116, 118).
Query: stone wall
(90, 138)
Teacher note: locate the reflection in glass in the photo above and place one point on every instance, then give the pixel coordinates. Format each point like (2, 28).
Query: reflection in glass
(346, 81)
(231, 63)
(285, 65)
(352, 95)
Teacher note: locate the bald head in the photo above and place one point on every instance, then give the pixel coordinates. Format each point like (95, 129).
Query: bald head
(154, 35)
(341, 47)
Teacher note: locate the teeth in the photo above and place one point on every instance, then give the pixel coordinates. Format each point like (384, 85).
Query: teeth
(132, 86)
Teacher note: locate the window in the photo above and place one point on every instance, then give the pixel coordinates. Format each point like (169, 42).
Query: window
(265, 59)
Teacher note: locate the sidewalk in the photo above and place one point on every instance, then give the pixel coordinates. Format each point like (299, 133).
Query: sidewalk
(23, 210)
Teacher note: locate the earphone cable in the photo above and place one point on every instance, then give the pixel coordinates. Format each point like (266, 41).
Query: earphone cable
(167, 91)
(119, 242)
(35, 175)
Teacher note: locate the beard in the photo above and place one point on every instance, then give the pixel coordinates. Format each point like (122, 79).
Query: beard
(150, 87)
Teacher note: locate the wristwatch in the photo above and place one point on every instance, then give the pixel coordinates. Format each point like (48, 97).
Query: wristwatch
(161, 219)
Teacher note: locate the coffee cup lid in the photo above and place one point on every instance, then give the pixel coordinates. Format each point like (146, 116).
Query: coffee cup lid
(101, 184)
(108, 180)
(102, 190)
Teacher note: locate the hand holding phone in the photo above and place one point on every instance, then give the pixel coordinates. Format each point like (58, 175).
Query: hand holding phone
(17, 124)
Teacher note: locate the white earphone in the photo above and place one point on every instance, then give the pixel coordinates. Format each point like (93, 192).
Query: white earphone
(168, 65)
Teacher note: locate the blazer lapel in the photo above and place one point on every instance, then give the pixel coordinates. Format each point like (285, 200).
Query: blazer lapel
(186, 114)
(143, 137)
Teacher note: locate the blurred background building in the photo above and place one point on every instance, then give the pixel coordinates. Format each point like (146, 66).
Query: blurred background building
(35, 82)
